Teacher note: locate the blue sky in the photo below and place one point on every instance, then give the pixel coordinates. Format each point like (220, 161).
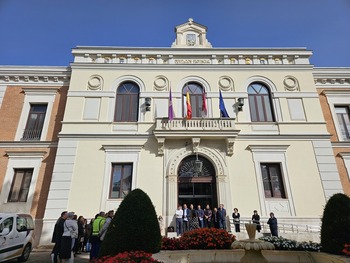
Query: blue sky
(43, 32)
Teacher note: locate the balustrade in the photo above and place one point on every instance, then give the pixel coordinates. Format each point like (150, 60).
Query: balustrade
(195, 124)
(31, 135)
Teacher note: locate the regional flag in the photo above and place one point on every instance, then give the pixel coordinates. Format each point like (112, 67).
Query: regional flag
(223, 111)
(189, 108)
(170, 109)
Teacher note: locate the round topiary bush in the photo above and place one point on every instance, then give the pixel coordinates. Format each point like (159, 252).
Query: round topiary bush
(335, 229)
(134, 227)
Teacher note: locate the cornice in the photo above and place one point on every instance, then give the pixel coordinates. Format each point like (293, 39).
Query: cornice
(291, 137)
(22, 144)
(213, 56)
(25, 154)
(268, 148)
(34, 76)
(211, 67)
(332, 77)
(344, 144)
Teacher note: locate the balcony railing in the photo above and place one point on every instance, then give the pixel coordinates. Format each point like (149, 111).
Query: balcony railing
(31, 135)
(196, 129)
(209, 124)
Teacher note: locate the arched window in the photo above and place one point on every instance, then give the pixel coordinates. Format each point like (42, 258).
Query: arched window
(260, 103)
(195, 91)
(127, 102)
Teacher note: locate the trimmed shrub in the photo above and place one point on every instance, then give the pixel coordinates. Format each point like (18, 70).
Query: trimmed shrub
(335, 229)
(134, 227)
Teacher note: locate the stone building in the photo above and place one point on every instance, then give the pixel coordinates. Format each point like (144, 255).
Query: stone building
(256, 138)
(266, 152)
(32, 103)
(333, 85)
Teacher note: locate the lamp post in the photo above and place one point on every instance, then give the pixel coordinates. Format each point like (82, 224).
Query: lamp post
(198, 166)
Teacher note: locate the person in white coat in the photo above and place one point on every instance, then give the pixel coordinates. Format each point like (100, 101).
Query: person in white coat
(70, 233)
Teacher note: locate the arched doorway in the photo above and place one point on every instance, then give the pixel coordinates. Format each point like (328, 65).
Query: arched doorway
(197, 185)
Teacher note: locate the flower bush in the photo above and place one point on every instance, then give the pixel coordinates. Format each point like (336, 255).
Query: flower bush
(346, 250)
(202, 238)
(172, 244)
(281, 243)
(128, 257)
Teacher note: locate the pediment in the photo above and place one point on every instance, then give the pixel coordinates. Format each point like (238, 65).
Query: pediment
(191, 35)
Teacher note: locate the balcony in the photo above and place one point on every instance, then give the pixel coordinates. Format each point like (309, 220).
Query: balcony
(195, 129)
(31, 135)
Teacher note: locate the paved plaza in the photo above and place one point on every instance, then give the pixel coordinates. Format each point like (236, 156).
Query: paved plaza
(43, 256)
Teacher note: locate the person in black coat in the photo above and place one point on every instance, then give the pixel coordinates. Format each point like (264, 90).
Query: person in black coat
(57, 236)
(256, 220)
(273, 225)
(215, 218)
(236, 220)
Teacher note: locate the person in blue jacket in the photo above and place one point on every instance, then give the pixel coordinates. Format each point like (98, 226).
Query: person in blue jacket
(272, 222)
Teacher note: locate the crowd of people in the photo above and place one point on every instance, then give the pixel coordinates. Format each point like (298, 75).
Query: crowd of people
(188, 219)
(73, 235)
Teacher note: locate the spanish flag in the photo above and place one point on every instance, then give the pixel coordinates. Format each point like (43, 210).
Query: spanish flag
(189, 108)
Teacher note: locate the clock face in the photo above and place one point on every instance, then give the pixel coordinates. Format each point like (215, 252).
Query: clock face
(190, 39)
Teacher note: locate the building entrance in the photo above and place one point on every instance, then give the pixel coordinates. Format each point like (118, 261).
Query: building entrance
(196, 182)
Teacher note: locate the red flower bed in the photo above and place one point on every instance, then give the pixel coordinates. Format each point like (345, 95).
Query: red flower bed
(346, 250)
(172, 244)
(202, 238)
(128, 257)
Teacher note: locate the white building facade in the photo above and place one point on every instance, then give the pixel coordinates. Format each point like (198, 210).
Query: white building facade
(272, 154)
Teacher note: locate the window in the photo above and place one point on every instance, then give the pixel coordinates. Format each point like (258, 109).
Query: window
(120, 180)
(344, 121)
(260, 103)
(20, 185)
(7, 223)
(196, 97)
(127, 102)
(35, 122)
(24, 223)
(272, 180)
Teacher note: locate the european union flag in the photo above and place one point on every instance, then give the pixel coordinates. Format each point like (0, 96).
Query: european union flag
(223, 111)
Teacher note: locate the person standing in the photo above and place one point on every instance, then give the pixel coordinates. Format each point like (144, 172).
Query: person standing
(272, 222)
(236, 220)
(186, 218)
(215, 218)
(200, 215)
(109, 218)
(222, 216)
(57, 236)
(97, 225)
(256, 220)
(207, 216)
(179, 213)
(70, 234)
(194, 224)
(79, 243)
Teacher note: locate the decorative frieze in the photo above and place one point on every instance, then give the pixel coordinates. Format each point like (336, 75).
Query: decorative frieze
(186, 59)
(332, 81)
(34, 76)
